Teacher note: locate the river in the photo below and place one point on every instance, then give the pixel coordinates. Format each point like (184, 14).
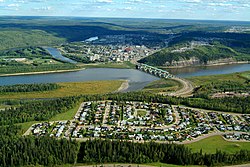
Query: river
(137, 79)
(57, 55)
(209, 70)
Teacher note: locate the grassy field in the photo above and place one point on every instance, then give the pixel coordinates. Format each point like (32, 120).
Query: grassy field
(67, 115)
(69, 89)
(201, 80)
(163, 85)
(124, 65)
(246, 75)
(209, 145)
(25, 126)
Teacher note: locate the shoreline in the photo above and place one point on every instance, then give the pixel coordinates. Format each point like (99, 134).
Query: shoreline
(124, 86)
(208, 65)
(41, 72)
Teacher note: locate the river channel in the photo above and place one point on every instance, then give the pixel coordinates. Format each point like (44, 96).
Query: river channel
(137, 79)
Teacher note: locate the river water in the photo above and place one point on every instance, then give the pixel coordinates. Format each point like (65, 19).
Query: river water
(137, 79)
(57, 55)
(209, 70)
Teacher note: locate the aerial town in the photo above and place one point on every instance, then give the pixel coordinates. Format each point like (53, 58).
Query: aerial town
(112, 48)
(141, 121)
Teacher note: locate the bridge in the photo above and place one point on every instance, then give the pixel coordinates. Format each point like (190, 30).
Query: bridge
(154, 71)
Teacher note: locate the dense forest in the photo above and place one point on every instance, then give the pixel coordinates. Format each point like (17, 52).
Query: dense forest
(204, 54)
(37, 110)
(30, 150)
(205, 91)
(29, 87)
(105, 151)
(29, 52)
(35, 68)
(17, 38)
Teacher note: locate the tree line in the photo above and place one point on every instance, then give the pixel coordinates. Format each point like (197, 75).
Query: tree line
(29, 87)
(204, 91)
(45, 109)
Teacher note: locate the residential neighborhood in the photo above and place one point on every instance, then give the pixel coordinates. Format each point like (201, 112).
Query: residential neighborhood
(141, 121)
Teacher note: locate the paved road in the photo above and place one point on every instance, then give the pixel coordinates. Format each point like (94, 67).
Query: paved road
(186, 90)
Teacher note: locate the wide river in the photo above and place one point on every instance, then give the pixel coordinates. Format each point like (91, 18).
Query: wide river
(137, 79)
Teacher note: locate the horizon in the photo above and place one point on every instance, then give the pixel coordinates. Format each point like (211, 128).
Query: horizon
(226, 10)
(142, 18)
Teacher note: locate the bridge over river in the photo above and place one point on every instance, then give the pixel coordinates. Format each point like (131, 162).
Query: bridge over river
(154, 71)
(187, 87)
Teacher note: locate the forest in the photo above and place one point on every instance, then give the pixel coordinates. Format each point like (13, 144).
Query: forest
(30, 150)
(29, 87)
(206, 90)
(204, 54)
(17, 68)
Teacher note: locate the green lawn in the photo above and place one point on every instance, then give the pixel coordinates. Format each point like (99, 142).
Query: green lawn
(209, 145)
(69, 89)
(67, 115)
(25, 126)
(246, 75)
(141, 112)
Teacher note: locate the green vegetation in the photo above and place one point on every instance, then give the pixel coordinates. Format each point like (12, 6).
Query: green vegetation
(211, 144)
(17, 38)
(95, 151)
(29, 87)
(80, 59)
(110, 65)
(105, 151)
(31, 59)
(68, 89)
(37, 110)
(68, 115)
(163, 85)
(236, 77)
(206, 90)
(141, 113)
(204, 54)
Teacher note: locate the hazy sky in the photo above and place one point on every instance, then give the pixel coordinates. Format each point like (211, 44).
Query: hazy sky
(168, 9)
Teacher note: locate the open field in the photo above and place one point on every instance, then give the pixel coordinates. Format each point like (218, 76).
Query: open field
(25, 126)
(246, 75)
(69, 89)
(66, 115)
(211, 144)
(201, 80)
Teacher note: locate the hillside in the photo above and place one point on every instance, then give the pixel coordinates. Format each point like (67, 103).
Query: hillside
(194, 53)
(17, 38)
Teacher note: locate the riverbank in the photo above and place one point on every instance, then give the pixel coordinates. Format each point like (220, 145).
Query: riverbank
(124, 86)
(41, 72)
(207, 65)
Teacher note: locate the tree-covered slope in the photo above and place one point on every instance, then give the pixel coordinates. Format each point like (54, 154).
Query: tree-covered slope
(17, 38)
(198, 54)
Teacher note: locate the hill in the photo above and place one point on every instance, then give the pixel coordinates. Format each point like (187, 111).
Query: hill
(194, 53)
(17, 38)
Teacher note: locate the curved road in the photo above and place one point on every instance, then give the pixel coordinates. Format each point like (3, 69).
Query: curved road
(185, 91)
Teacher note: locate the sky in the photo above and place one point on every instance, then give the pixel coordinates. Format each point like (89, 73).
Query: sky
(165, 9)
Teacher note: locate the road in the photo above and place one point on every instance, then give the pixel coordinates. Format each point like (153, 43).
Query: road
(185, 91)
